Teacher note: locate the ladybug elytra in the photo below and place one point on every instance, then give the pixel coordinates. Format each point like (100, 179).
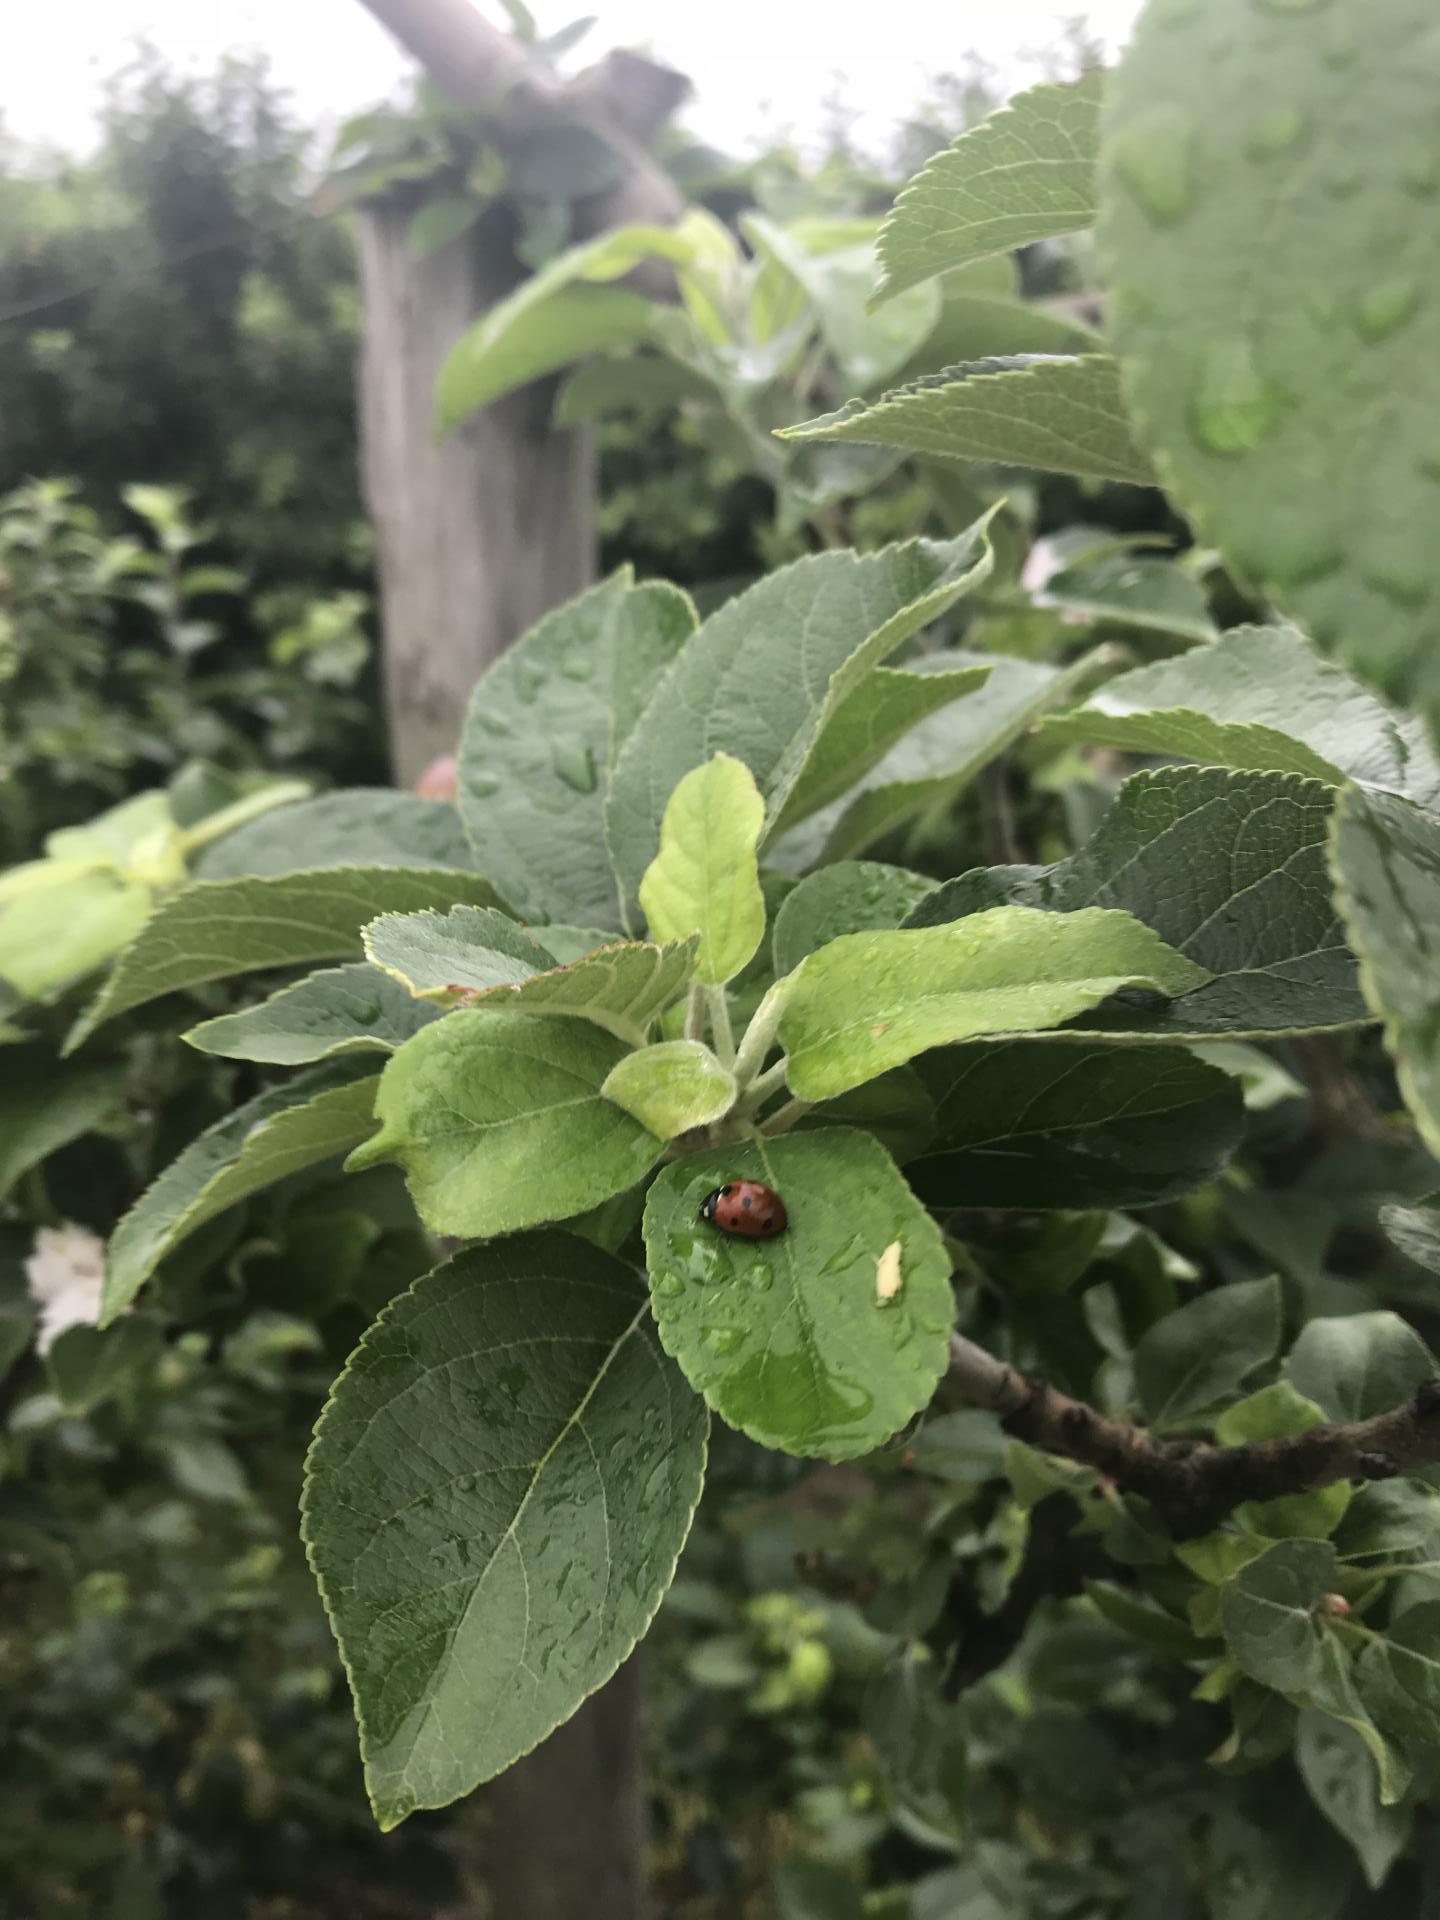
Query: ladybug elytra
(746, 1208)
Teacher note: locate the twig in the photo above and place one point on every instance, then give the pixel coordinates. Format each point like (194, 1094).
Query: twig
(1193, 1484)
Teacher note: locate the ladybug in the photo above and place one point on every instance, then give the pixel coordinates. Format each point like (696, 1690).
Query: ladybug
(747, 1209)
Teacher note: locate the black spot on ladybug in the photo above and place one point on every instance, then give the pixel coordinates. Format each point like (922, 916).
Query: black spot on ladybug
(745, 1208)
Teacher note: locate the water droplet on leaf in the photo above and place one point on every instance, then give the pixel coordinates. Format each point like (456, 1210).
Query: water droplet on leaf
(482, 785)
(578, 666)
(575, 766)
(1155, 156)
(1277, 133)
(669, 1284)
(1235, 406)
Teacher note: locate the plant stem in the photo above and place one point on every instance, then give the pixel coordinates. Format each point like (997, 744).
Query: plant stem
(759, 1037)
(764, 1085)
(720, 1029)
(695, 1013)
(782, 1121)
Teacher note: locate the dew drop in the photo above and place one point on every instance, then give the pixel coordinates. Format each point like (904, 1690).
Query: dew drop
(761, 1279)
(721, 1340)
(574, 765)
(1277, 133)
(529, 679)
(1154, 156)
(493, 721)
(482, 785)
(1386, 307)
(669, 1284)
(466, 1483)
(578, 666)
(1234, 406)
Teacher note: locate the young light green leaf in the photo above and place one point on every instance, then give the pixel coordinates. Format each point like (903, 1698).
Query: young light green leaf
(483, 1583)
(1260, 697)
(430, 953)
(1359, 1365)
(359, 827)
(90, 1365)
(671, 1087)
(869, 1001)
(555, 316)
(218, 928)
(1385, 856)
(1027, 1123)
(705, 880)
(60, 920)
(931, 766)
(853, 896)
(787, 1338)
(1063, 413)
(879, 713)
(498, 1122)
(1297, 432)
(1229, 869)
(623, 988)
(741, 687)
(533, 796)
(1336, 1764)
(324, 1111)
(46, 1103)
(339, 1010)
(1025, 174)
(1199, 1354)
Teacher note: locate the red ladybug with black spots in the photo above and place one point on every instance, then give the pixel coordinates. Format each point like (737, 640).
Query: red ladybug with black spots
(746, 1208)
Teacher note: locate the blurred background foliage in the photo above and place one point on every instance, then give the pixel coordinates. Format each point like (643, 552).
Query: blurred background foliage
(186, 600)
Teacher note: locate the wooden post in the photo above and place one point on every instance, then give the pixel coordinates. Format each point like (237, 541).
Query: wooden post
(478, 536)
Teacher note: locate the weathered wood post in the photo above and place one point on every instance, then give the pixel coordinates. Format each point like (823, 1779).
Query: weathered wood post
(477, 537)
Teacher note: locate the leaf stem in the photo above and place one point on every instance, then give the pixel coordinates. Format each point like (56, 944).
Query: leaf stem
(764, 1085)
(759, 1036)
(785, 1118)
(720, 1029)
(695, 1013)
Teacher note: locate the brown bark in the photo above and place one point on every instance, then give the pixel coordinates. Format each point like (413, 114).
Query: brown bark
(1193, 1484)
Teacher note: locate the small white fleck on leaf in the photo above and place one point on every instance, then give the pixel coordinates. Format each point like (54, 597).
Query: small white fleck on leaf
(888, 1277)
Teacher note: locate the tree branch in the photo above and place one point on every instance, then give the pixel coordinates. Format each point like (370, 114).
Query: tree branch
(1193, 1484)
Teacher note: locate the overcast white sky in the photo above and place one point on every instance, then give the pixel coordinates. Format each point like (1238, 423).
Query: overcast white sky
(757, 64)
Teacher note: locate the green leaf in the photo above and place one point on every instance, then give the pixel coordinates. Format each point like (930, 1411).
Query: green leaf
(319, 1113)
(338, 1010)
(1335, 1763)
(429, 954)
(926, 772)
(483, 1583)
(853, 896)
(743, 687)
(1363, 1364)
(555, 316)
(787, 1339)
(435, 223)
(90, 1365)
(1385, 855)
(1025, 174)
(60, 920)
(1269, 1612)
(920, 1739)
(1023, 1123)
(545, 727)
(1260, 697)
(1398, 1675)
(1199, 1354)
(1229, 869)
(1137, 590)
(705, 880)
(671, 1087)
(218, 928)
(499, 1122)
(360, 827)
(896, 1108)
(1297, 431)
(869, 1001)
(46, 1103)
(1415, 1230)
(881, 711)
(1063, 414)
(623, 988)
